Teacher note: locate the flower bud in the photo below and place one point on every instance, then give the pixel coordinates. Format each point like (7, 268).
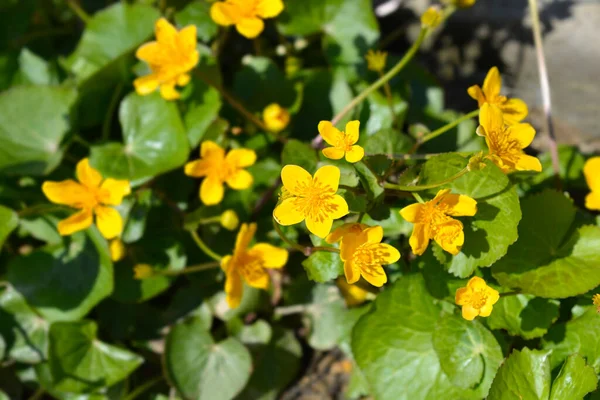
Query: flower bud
(143, 271)
(117, 250)
(276, 117)
(432, 17)
(229, 220)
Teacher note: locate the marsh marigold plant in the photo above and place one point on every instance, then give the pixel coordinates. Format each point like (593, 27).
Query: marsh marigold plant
(246, 15)
(218, 169)
(433, 220)
(92, 196)
(170, 58)
(248, 264)
(343, 143)
(591, 171)
(476, 299)
(276, 118)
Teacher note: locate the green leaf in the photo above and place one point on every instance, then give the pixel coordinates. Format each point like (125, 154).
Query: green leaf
(469, 354)
(35, 70)
(580, 335)
(323, 266)
(487, 234)
(395, 347)
(46, 277)
(574, 381)
(202, 369)
(297, 153)
(9, 220)
(31, 136)
(154, 142)
(203, 107)
(387, 141)
(524, 315)
(524, 375)
(349, 27)
(198, 13)
(553, 258)
(80, 363)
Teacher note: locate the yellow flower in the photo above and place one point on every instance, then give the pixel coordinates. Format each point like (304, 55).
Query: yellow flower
(343, 142)
(460, 3)
(311, 199)
(506, 142)
(248, 264)
(229, 220)
(91, 195)
(117, 250)
(246, 15)
(376, 60)
(596, 301)
(276, 117)
(218, 168)
(364, 254)
(346, 230)
(591, 170)
(432, 17)
(433, 220)
(170, 58)
(476, 298)
(142, 271)
(353, 295)
(513, 110)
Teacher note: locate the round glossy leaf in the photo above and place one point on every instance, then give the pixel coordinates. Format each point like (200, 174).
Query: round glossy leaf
(524, 315)
(524, 375)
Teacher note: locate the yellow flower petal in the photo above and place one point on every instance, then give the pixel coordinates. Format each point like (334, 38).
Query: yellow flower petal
(514, 110)
(450, 236)
(151, 53)
(210, 148)
(211, 191)
(355, 154)
(591, 171)
(225, 263)
(460, 205)
(330, 134)
(492, 84)
(146, 84)
(351, 271)
(183, 79)
(116, 190)
(338, 203)
(234, 289)
(333, 153)
(187, 39)
(490, 117)
(241, 158)
(69, 193)
(349, 246)
(328, 176)
(273, 257)
(223, 14)
(240, 180)
(76, 222)
(419, 239)
(486, 310)
(168, 92)
(389, 254)
(493, 295)
(469, 312)
(374, 234)
(258, 277)
(592, 201)
(528, 163)
(462, 296)
(319, 227)
(352, 131)
(109, 222)
(375, 275)
(244, 237)
(165, 32)
(287, 214)
(476, 283)
(250, 27)
(477, 94)
(295, 179)
(117, 250)
(269, 8)
(352, 228)
(197, 168)
(410, 213)
(523, 133)
(87, 175)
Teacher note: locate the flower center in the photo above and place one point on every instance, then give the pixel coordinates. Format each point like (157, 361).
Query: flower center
(315, 201)
(508, 149)
(343, 143)
(479, 298)
(250, 266)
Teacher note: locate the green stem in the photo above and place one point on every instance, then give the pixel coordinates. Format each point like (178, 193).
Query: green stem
(38, 394)
(418, 188)
(427, 156)
(80, 12)
(446, 128)
(189, 270)
(207, 250)
(141, 389)
(418, 197)
(109, 113)
(505, 294)
(81, 141)
(385, 78)
(324, 248)
(287, 240)
(40, 209)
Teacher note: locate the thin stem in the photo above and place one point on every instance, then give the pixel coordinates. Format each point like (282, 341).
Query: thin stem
(287, 240)
(111, 110)
(447, 127)
(38, 394)
(545, 88)
(385, 78)
(207, 250)
(189, 270)
(141, 389)
(81, 141)
(418, 188)
(80, 12)
(289, 310)
(40, 209)
(418, 197)
(233, 102)
(505, 294)
(324, 248)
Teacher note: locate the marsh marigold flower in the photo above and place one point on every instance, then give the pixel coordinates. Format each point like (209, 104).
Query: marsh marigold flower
(432, 17)
(170, 58)
(92, 195)
(217, 168)
(353, 295)
(591, 170)
(346, 230)
(310, 199)
(376, 60)
(117, 250)
(246, 15)
(476, 299)
(344, 143)
(596, 301)
(364, 254)
(460, 3)
(506, 142)
(248, 264)
(276, 117)
(513, 110)
(432, 220)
